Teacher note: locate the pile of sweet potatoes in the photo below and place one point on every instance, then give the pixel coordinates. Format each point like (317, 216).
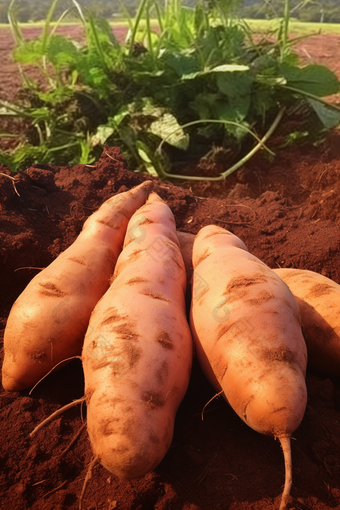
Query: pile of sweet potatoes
(116, 297)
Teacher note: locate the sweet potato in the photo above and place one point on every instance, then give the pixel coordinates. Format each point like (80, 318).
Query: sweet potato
(48, 321)
(137, 352)
(247, 332)
(318, 298)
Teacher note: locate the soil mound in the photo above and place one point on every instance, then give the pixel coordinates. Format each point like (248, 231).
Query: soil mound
(287, 213)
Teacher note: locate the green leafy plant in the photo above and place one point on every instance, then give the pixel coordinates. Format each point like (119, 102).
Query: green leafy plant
(183, 79)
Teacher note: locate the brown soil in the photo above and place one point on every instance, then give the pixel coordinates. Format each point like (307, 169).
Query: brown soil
(287, 212)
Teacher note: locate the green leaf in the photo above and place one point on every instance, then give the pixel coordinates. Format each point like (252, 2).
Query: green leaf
(229, 68)
(235, 85)
(24, 156)
(104, 131)
(329, 117)
(204, 105)
(40, 114)
(182, 63)
(313, 79)
(201, 19)
(143, 154)
(265, 64)
(166, 126)
(120, 116)
(263, 99)
(61, 51)
(29, 52)
(56, 96)
(168, 129)
(235, 110)
(191, 76)
(271, 81)
(150, 109)
(85, 151)
(93, 75)
(144, 76)
(225, 68)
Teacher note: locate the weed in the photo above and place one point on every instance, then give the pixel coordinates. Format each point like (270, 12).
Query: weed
(183, 79)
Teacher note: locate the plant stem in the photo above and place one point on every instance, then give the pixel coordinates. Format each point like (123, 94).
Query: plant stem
(16, 111)
(13, 22)
(270, 131)
(57, 23)
(148, 31)
(207, 121)
(139, 14)
(80, 12)
(312, 96)
(45, 34)
(237, 165)
(62, 147)
(96, 39)
(285, 34)
(159, 16)
(126, 14)
(286, 21)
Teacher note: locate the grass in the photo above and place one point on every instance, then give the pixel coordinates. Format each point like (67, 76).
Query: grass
(258, 25)
(40, 24)
(295, 26)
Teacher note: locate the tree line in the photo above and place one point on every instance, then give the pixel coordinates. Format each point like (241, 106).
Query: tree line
(319, 11)
(327, 11)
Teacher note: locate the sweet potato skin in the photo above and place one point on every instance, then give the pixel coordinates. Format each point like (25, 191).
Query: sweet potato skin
(137, 352)
(318, 298)
(48, 321)
(247, 332)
